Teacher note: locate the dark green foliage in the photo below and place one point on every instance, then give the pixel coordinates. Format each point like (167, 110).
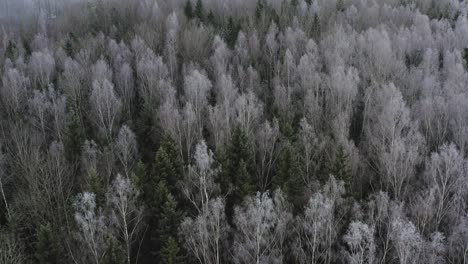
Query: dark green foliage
(188, 9)
(441, 58)
(115, 254)
(70, 44)
(339, 167)
(96, 186)
(11, 51)
(316, 27)
(259, 9)
(170, 218)
(163, 216)
(199, 11)
(210, 19)
(465, 56)
(146, 129)
(232, 31)
(340, 6)
(238, 165)
(75, 136)
(171, 253)
(46, 248)
(288, 175)
(27, 47)
(167, 164)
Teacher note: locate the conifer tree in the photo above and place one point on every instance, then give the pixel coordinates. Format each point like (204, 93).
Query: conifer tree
(239, 165)
(168, 231)
(11, 51)
(167, 164)
(339, 167)
(171, 253)
(199, 12)
(96, 186)
(75, 136)
(188, 9)
(288, 174)
(45, 246)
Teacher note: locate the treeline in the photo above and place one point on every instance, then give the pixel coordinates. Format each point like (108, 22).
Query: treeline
(222, 131)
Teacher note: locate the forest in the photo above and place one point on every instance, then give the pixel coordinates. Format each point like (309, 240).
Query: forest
(233, 131)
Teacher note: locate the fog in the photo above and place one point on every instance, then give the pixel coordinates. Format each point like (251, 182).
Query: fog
(17, 9)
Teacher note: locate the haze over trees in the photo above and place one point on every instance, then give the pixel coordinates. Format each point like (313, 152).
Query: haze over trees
(234, 131)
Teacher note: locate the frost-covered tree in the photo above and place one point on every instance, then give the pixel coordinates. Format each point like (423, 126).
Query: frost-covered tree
(126, 214)
(262, 224)
(199, 186)
(360, 240)
(11, 250)
(197, 87)
(446, 174)
(93, 227)
(106, 108)
(394, 139)
(14, 91)
(205, 235)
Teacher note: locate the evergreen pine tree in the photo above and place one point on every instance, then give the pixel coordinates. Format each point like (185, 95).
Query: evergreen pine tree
(210, 19)
(238, 171)
(199, 12)
(259, 9)
(316, 27)
(465, 56)
(115, 254)
(45, 246)
(170, 218)
(96, 186)
(168, 165)
(188, 9)
(288, 174)
(171, 253)
(11, 51)
(339, 168)
(232, 32)
(75, 136)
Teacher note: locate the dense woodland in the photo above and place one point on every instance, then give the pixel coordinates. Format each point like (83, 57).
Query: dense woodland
(234, 131)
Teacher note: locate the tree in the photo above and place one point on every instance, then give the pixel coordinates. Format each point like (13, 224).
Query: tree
(172, 28)
(394, 140)
(126, 150)
(92, 226)
(288, 174)
(41, 66)
(360, 240)
(446, 174)
(339, 167)
(127, 215)
(4, 180)
(11, 251)
(248, 112)
(406, 240)
(261, 224)
(204, 236)
(168, 165)
(188, 9)
(197, 87)
(45, 247)
(106, 108)
(199, 186)
(14, 92)
(169, 223)
(316, 230)
(268, 148)
(170, 253)
(238, 168)
(199, 11)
